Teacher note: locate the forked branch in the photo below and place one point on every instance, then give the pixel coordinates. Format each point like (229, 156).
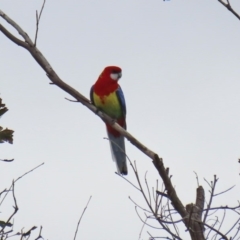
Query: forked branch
(229, 7)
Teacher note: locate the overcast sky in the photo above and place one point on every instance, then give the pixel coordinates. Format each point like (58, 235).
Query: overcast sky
(180, 62)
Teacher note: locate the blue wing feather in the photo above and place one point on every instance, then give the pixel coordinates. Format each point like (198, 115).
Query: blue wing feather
(121, 100)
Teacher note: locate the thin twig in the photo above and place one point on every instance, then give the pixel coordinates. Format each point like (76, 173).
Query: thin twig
(127, 181)
(148, 203)
(224, 214)
(238, 229)
(174, 225)
(70, 100)
(149, 195)
(37, 22)
(210, 214)
(232, 227)
(153, 238)
(161, 198)
(145, 210)
(208, 183)
(222, 207)
(196, 178)
(224, 191)
(211, 197)
(213, 225)
(15, 207)
(40, 234)
(142, 228)
(162, 194)
(145, 221)
(29, 172)
(18, 179)
(215, 230)
(156, 198)
(81, 218)
(229, 7)
(3, 191)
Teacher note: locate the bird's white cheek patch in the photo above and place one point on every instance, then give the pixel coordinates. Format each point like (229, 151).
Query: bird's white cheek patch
(114, 76)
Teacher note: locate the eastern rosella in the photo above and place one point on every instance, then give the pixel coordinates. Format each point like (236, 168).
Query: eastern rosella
(107, 96)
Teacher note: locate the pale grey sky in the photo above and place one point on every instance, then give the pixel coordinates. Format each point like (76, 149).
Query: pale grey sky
(180, 62)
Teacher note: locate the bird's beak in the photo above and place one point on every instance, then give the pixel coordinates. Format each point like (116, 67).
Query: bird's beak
(116, 76)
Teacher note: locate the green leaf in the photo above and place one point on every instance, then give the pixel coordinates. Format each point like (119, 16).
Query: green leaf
(29, 231)
(3, 224)
(3, 109)
(6, 135)
(7, 160)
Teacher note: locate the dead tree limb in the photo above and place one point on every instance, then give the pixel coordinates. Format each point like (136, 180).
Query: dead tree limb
(229, 7)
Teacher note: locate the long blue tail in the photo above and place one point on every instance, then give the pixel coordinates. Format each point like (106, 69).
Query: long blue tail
(117, 145)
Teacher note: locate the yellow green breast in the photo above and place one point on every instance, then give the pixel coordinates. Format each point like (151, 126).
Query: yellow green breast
(108, 104)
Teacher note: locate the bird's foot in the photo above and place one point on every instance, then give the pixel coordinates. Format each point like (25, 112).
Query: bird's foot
(114, 120)
(97, 111)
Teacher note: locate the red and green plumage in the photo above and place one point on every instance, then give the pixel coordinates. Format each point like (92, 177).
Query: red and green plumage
(107, 96)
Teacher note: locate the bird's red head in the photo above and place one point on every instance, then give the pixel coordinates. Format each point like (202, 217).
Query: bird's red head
(112, 72)
(108, 80)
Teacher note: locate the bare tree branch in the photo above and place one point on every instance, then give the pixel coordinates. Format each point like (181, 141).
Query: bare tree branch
(37, 22)
(238, 229)
(81, 218)
(212, 186)
(142, 228)
(171, 217)
(229, 7)
(196, 178)
(15, 209)
(40, 234)
(127, 180)
(17, 180)
(149, 195)
(213, 225)
(224, 214)
(216, 194)
(222, 207)
(162, 194)
(13, 38)
(145, 210)
(237, 222)
(17, 27)
(213, 229)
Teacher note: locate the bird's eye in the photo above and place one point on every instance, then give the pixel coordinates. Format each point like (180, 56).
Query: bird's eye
(114, 76)
(115, 71)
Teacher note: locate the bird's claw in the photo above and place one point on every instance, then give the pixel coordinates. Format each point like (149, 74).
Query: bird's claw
(97, 111)
(114, 120)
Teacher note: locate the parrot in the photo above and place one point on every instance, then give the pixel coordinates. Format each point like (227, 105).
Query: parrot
(107, 96)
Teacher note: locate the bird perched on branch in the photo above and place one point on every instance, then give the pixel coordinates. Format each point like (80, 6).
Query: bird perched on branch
(108, 97)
